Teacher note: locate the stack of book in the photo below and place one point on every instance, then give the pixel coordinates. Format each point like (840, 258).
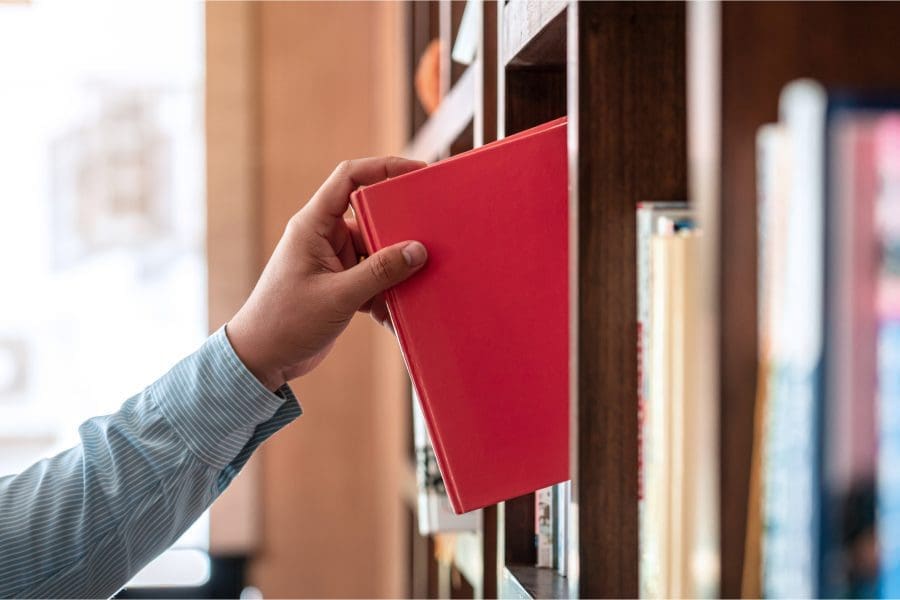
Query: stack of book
(829, 297)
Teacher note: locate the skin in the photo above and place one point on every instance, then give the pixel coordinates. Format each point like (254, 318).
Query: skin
(314, 282)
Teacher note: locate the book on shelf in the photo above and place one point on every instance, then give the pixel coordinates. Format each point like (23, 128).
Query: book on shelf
(544, 507)
(667, 239)
(831, 490)
(562, 498)
(651, 448)
(484, 327)
(433, 510)
(887, 234)
(551, 509)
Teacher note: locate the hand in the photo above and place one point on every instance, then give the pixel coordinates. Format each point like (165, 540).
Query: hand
(313, 284)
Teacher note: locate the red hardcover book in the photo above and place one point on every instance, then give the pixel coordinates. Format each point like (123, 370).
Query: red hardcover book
(484, 327)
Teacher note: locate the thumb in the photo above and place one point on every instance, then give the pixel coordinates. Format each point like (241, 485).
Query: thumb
(384, 269)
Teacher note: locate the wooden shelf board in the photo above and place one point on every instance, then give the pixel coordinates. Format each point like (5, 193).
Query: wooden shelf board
(534, 32)
(526, 582)
(445, 124)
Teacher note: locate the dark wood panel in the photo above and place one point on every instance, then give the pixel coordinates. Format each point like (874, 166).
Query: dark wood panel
(765, 45)
(422, 24)
(632, 147)
(456, 13)
(486, 104)
(489, 550)
(533, 95)
(518, 530)
(417, 558)
(486, 122)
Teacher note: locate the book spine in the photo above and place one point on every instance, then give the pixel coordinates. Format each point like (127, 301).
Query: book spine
(543, 526)
(561, 530)
(645, 528)
(888, 313)
(792, 557)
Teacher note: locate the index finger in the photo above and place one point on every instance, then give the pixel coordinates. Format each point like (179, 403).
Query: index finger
(334, 195)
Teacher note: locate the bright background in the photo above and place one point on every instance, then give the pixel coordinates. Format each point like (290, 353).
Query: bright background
(102, 220)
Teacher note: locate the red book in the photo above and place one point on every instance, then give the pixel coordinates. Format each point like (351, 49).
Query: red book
(484, 327)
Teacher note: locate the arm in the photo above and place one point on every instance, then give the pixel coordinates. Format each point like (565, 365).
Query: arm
(82, 523)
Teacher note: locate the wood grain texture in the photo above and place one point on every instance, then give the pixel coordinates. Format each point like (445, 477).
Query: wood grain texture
(518, 530)
(485, 131)
(631, 147)
(489, 550)
(533, 95)
(534, 32)
(764, 46)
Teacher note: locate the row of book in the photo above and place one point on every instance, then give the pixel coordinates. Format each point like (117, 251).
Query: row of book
(828, 181)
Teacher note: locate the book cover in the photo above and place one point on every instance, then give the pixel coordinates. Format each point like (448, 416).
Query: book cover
(484, 327)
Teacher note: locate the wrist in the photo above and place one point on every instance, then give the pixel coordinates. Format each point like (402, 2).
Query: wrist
(251, 352)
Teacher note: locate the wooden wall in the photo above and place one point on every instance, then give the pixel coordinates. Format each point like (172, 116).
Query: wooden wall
(311, 84)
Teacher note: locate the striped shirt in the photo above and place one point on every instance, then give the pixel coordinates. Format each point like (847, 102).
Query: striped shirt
(82, 523)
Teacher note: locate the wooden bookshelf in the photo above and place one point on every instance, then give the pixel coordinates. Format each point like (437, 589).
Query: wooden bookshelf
(620, 72)
(764, 46)
(533, 32)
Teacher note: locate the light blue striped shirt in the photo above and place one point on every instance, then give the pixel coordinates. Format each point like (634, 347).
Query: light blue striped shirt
(82, 523)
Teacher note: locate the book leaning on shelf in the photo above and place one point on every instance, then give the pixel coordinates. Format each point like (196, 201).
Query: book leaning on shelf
(829, 293)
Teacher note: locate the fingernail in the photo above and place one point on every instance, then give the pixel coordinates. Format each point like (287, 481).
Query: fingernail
(414, 254)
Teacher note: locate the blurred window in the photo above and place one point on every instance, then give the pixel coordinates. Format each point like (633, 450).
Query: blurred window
(101, 221)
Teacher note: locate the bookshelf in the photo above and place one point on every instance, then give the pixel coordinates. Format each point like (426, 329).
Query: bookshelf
(762, 47)
(618, 72)
(664, 101)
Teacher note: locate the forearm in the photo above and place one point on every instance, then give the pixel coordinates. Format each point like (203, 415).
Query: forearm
(84, 522)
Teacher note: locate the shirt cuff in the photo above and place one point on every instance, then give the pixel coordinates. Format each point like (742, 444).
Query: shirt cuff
(215, 404)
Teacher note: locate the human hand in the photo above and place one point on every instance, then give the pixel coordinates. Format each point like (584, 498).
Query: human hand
(312, 284)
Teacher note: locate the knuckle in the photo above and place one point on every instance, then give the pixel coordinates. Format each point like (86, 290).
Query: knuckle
(344, 167)
(380, 267)
(294, 223)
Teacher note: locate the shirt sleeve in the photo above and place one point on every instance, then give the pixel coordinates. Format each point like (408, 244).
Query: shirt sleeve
(82, 523)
